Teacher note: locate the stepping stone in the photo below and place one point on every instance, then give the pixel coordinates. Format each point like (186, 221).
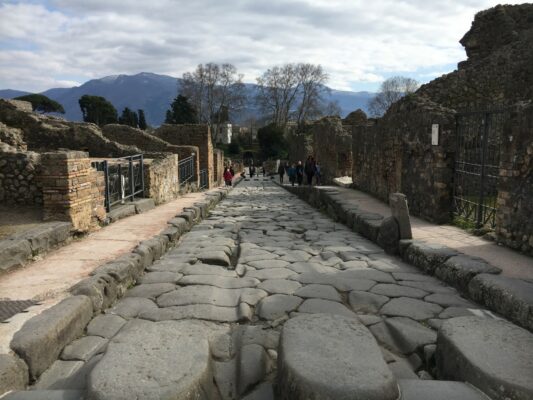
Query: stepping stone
(493, 355)
(153, 360)
(326, 357)
(366, 302)
(318, 292)
(391, 290)
(252, 368)
(210, 295)
(316, 306)
(204, 269)
(206, 312)
(271, 273)
(106, 325)
(411, 308)
(277, 306)
(403, 335)
(219, 281)
(279, 286)
(418, 389)
(150, 290)
(268, 264)
(160, 277)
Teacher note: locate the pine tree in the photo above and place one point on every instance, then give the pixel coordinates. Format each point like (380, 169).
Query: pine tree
(181, 112)
(142, 120)
(128, 117)
(98, 110)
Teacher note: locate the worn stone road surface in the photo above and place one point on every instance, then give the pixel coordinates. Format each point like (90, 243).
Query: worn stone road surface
(269, 299)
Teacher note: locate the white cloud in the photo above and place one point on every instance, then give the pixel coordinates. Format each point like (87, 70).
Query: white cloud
(46, 44)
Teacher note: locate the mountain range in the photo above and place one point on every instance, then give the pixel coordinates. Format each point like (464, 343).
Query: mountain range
(153, 93)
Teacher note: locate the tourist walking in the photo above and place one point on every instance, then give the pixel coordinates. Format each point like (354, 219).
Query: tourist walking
(281, 172)
(252, 171)
(291, 172)
(310, 169)
(299, 173)
(317, 173)
(228, 176)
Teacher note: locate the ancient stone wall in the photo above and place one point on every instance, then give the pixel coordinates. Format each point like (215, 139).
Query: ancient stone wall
(218, 167)
(68, 183)
(98, 211)
(514, 217)
(195, 135)
(499, 69)
(161, 180)
(44, 133)
(18, 176)
(332, 148)
(300, 146)
(395, 154)
(12, 136)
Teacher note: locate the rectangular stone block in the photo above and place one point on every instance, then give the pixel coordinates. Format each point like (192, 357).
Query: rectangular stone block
(400, 211)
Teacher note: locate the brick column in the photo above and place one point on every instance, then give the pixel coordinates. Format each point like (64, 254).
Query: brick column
(67, 188)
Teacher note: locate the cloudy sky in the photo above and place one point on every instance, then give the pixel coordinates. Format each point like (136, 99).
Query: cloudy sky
(62, 43)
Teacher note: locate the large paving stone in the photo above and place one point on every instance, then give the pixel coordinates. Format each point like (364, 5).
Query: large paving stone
(206, 312)
(332, 357)
(268, 264)
(448, 300)
(510, 297)
(277, 306)
(366, 302)
(58, 374)
(418, 389)
(302, 267)
(252, 367)
(46, 395)
(493, 355)
(279, 286)
(105, 326)
(84, 348)
(196, 294)
(403, 334)
(411, 308)
(325, 292)
(271, 273)
(214, 258)
(368, 273)
(13, 373)
(344, 284)
(42, 338)
(150, 290)
(155, 360)
(160, 277)
(317, 306)
(392, 290)
(205, 269)
(131, 307)
(219, 281)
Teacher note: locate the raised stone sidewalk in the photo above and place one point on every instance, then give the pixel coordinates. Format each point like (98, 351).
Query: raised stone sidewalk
(267, 298)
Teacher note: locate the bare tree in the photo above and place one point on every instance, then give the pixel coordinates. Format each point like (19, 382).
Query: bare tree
(291, 91)
(215, 91)
(390, 91)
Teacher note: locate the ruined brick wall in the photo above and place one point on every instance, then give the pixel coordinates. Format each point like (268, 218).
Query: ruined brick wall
(499, 69)
(332, 148)
(514, 217)
(395, 154)
(161, 180)
(67, 182)
(18, 176)
(191, 135)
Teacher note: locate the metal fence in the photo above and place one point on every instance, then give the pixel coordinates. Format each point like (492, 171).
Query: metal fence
(204, 179)
(186, 170)
(477, 164)
(124, 179)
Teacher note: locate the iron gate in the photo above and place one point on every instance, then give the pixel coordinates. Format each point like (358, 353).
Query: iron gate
(204, 179)
(186, 170)
(477, 164)
(124, 179)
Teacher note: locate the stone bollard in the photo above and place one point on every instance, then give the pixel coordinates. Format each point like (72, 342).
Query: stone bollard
(400, 211)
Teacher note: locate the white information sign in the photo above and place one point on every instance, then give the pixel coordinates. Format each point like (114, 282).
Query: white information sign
(435, 134)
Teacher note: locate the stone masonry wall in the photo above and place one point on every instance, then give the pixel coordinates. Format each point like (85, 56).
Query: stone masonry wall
(514, 217)
(219, 167)
(395, 154)
(98, 211)
(18, 176)
(161, 179)
(12, 136)
(68, 188)
(195, 135)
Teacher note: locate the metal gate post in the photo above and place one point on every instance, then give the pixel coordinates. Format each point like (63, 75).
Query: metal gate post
(486, 131)
(107, 194)
(132, 183)
(142, 175)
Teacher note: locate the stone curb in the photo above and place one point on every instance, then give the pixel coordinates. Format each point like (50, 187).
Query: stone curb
(472, 276)
(42, 338)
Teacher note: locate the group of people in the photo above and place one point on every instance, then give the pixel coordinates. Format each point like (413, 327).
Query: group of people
(296, 172)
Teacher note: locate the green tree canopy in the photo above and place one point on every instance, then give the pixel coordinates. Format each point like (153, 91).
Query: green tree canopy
(98, 110)
(43, 104)
(272, 141)
(128, 117)
(142, 120)
(181, 112)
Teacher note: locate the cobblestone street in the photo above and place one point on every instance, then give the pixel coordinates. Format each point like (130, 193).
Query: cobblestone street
(268, 298)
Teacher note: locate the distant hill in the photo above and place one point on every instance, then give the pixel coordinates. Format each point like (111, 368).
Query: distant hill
(153, 93)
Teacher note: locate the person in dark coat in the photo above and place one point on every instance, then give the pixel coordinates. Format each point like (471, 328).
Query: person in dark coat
(309, 169)
(281, 172)
(299, 173)
(228, 176)
(291, 172)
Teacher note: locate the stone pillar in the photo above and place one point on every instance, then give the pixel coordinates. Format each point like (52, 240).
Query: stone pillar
(67, 188)
(400, 211)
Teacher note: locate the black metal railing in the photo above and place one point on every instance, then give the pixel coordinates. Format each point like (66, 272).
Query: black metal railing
(186, 170)
(204, 179)
(124, 179)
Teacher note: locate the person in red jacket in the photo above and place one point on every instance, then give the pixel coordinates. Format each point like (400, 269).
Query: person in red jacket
(228, 176)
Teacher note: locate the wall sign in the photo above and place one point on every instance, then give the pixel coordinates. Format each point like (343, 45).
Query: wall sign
(435, 134)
